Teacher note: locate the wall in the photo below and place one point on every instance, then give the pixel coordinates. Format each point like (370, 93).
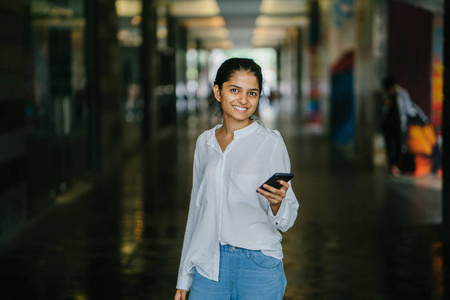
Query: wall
(446, 151)
(60, 88)
(410, 50)
(149, 59)
(366, 82)
(159, 63)
(340, 44)
(12, 136)
(109, 84)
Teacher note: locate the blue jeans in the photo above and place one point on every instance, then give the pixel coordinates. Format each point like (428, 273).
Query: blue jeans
(244, 275)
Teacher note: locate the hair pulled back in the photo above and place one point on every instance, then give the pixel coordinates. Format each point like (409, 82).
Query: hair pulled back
(233, 65)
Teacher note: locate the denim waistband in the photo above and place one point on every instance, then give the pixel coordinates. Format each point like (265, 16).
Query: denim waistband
(229, 248)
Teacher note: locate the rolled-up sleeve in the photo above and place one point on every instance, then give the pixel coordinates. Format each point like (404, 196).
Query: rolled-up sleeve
(287, 214)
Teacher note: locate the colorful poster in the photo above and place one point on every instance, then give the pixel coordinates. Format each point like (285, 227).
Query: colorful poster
(342, 112)
(437, 75)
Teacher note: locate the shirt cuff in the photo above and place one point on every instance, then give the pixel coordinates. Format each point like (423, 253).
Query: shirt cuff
(185, 282)
(278, 220)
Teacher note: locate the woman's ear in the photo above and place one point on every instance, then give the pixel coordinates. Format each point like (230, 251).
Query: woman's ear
(217, 93)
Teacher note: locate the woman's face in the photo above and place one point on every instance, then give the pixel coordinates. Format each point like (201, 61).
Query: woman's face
(239, 96)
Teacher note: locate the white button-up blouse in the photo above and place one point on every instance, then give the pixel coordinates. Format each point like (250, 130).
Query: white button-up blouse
(225, 207)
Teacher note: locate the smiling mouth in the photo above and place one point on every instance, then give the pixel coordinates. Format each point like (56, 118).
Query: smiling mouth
(240, 108)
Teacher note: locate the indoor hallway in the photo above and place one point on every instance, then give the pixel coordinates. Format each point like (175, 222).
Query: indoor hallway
(359, 234)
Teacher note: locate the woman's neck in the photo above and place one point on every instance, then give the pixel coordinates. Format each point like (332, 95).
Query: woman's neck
(225, 134)
(229, 127)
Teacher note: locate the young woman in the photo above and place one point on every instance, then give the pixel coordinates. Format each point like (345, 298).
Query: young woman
(232, 245)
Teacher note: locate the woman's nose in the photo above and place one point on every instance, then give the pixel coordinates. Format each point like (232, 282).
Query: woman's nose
(243, 99)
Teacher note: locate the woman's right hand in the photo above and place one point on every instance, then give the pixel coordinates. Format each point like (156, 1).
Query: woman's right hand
(180, 295)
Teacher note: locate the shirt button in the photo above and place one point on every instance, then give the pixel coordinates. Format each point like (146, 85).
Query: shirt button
(276, 223)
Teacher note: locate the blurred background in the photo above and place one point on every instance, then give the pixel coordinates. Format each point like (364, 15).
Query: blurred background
(101, 102)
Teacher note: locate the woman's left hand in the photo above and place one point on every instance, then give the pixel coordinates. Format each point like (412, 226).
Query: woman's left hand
(274, 195)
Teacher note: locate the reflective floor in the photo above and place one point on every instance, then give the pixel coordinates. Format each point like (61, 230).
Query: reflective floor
(359, 234)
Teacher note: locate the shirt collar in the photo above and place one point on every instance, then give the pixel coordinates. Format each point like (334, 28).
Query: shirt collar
(246, 130)
(237, 134)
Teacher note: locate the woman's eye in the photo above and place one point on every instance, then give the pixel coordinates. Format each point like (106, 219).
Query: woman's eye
(234, 90)
(254, 94)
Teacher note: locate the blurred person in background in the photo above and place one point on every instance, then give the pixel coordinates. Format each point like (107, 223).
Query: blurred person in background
(410, 138)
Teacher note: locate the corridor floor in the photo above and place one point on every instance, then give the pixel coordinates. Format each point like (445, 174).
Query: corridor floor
(359, 234)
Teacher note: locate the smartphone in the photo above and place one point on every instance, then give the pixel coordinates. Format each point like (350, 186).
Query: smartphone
(273, 181)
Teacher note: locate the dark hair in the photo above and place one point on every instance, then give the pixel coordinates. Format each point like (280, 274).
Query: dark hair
(233, 65)
(388, 82)
(227, 70)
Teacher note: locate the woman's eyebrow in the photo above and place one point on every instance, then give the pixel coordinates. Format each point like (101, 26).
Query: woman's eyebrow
(236, 86)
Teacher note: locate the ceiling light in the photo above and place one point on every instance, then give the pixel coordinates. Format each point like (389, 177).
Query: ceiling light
(195, 8)
(203, 22)
(128, 8)
(210, 33)
(295, 21)
(284, 7)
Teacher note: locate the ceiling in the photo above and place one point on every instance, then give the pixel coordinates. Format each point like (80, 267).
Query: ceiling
(230, 23)
(222, 23)
(212, 23)
(243, 23)
(239, 23)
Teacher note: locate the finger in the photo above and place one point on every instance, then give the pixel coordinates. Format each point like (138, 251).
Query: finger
(284, 184)
(269, 192)
(183, 295)
(180, 295)
(270, 188)
(281, 191)
(284, 188)
(272, 193)
(272, 198)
